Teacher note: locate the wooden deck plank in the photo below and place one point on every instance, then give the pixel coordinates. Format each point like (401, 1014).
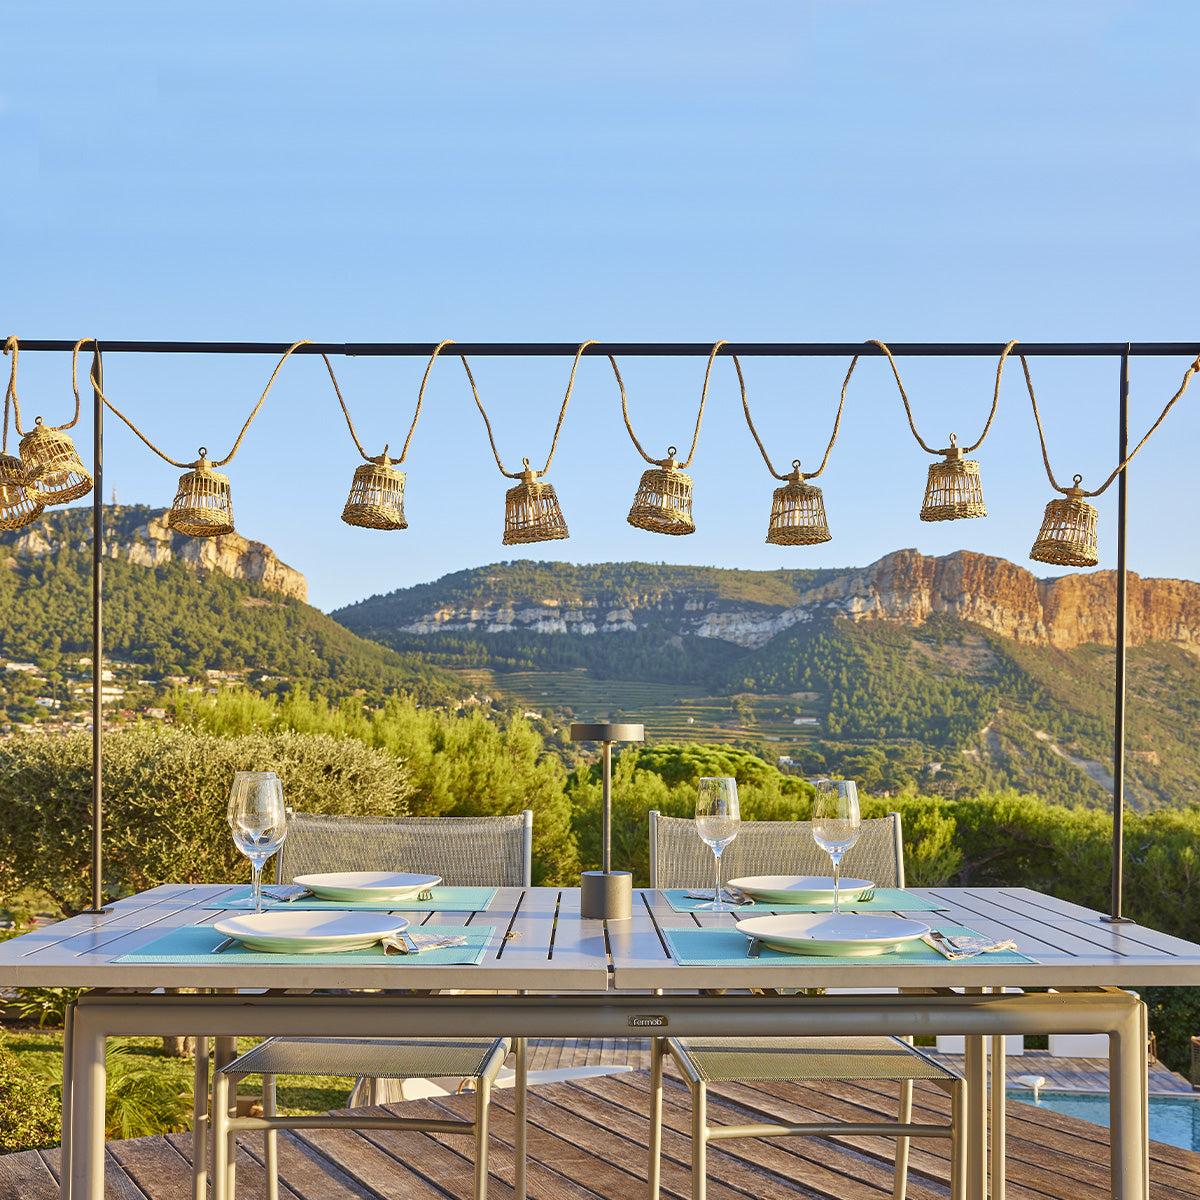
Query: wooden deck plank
(588, 1142)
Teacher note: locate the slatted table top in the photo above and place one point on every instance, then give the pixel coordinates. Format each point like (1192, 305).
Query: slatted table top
(554, 949)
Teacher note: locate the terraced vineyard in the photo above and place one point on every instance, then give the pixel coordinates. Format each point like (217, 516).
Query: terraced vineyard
(670, 712)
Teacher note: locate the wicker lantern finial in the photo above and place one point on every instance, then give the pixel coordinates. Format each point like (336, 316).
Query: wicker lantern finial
(18, 505)
(532, 512)
(376, 498)
(202, 506)
(798, 513)
(55, 472)
(663, 503)
(953, 489)
(1068, 534)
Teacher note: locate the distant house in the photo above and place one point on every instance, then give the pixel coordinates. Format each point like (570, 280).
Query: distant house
(805, 721)
(27, 667)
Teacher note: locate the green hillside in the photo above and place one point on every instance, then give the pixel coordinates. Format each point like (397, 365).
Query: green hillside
(171, 620)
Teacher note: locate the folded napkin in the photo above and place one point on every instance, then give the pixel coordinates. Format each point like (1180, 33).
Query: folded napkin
(285, 893)
(955, 948)
(728, 894)
(414, 943)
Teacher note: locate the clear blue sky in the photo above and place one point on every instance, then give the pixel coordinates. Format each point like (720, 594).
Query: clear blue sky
(627, 171)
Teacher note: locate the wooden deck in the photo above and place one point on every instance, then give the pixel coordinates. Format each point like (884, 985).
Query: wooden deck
(587, 1141)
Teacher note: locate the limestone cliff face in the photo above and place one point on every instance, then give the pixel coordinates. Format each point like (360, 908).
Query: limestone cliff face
(152, 543)
(904, 586)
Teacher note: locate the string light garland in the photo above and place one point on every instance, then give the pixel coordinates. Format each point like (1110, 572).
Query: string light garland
(531, 509)
(663, 501)
(203, 504)
(953, 488)
(1069, 534)
(798, 508)
(376, 499)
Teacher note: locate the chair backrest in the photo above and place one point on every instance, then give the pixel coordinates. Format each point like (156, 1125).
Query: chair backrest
(678, 858)
(464, 851)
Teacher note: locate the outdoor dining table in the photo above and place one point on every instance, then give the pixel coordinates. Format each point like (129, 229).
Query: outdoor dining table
(546, 972)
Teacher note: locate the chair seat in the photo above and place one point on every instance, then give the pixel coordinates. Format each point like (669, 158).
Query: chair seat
(800, 1059)
(383, 1058)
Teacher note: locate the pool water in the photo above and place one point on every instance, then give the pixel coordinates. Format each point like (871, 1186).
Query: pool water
(1173, 1119)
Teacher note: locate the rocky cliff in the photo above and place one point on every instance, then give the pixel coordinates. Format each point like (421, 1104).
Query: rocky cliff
(142, 536)
(905, 586)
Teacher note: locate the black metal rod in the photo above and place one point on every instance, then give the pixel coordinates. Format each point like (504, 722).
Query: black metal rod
(97, 633)
(1118, 836)
(643, 349)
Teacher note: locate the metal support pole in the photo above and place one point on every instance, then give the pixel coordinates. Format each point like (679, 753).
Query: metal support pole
(1118, 837)
(606, 843)
(97, 634)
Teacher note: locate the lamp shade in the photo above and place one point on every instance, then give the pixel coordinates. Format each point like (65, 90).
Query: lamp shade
(798, 513)
(532, 512)
(953, 489)
(376, 498)
(1068, 537)
(53, 468)
(663, 503)
(203, 505)
(18, 505)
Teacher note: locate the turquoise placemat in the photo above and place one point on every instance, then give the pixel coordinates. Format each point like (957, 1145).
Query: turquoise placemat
(196, 943)
(445, 899)
(727, 948)
(884, 900)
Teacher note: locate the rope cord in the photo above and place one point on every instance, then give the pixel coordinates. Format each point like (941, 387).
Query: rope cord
(11, 346)
(562, 412)
(795, 461)
(953, 439)
(1183, 387)
(203, 450)
(378, 459)
(699, 416)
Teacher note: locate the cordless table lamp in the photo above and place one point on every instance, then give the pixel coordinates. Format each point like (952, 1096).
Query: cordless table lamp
(607, 895)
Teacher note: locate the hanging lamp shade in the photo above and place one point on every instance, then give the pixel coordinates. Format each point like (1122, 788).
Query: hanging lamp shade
(53, 468)
(1068, 534)
(953, 489)
(532, 512)
(202, 506)
(18, 505)
(798, 513)
(376, 496)
(663, 503)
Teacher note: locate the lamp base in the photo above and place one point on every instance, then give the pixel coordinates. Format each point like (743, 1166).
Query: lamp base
(606, 897)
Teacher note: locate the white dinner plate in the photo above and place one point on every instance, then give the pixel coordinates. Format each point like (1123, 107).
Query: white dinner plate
(842, 935)
(310, 932)
(799, 889)
(366, 886)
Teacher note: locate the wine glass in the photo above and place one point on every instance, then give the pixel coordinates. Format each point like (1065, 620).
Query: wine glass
(259, 823)
(239, 779)
(717, 821)
(836, 823)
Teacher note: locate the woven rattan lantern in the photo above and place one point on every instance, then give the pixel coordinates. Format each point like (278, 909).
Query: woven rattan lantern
(663, 503)
(798, 513)
(531, 511)
(202, 506)
(953, 489)
(376, 496)
(1068, 534)
(18, 505)
(55, 472)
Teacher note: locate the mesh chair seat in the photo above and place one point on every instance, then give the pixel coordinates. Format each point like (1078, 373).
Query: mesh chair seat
(804, 1059)
(384, 1058)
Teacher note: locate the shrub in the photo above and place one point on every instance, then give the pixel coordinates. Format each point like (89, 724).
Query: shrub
(165, 796)
(142, 1098)
(30, 1115)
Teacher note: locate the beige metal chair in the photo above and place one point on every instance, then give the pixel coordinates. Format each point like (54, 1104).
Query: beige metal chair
(464, 851)
(678, 858)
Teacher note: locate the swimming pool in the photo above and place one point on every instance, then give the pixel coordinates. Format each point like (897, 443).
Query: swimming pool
(1173, 1119)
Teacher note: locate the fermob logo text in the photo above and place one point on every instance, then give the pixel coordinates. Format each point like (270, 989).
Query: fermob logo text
(651, 1020)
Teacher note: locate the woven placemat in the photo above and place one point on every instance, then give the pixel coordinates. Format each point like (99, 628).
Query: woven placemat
(445, 899)
(196, 944)
(727, 948)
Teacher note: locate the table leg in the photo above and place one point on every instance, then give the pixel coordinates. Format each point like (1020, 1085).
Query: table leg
(64, 1178)
(200, 1121)
(998, 1114)
(975, 1071)
(521, 1116)
(87, 1108)
(1128, 1107)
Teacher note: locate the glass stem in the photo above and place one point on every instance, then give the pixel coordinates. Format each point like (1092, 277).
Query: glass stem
(717, 905)
(837, 878)
(256, 868)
